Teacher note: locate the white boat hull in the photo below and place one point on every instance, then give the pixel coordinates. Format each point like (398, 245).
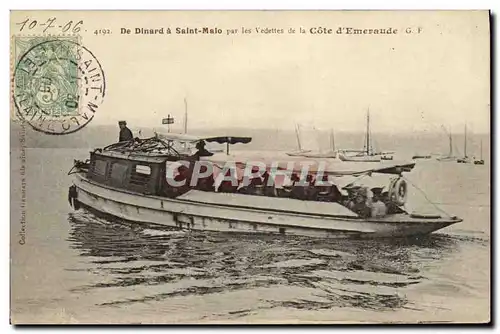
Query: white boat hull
(362, 158)
(446, 159)
(199, 215)
(320, 155)
(298, 153)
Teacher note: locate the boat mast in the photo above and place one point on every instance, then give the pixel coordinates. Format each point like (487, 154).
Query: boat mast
(451, 144)
(481, 149)
(465, 141)
(332, 140)
(298, 136)
(368, 132)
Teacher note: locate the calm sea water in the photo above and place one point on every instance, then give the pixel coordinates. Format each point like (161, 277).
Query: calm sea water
(77, 268)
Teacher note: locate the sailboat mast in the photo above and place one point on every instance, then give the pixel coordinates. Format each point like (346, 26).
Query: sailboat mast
(481, 149)
(465, 141)
(368, 132)
(185, 116)
(332, 140)
(298, 136)
(451, 144)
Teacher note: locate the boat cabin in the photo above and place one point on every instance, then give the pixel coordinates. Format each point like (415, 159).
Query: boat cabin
(143, 170)
(139, 173)
(141, 166)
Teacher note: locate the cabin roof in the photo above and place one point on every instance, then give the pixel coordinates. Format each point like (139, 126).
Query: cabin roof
(142, 157)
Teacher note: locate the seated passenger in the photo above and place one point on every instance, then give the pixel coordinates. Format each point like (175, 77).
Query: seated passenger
(391, 207)
(250, 186)
(311, 192)
(324, 188)
(378, 208)
(202, 151)
(205, 183)
(253, 187)
(227, 186)
(298, 189)
(328, 192)
(269, 190)
(283, 186)
(359, 204)
(183, 175)
(170, 189)
(257, 186)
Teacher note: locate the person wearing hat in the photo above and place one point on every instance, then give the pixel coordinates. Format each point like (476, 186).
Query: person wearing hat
(201, 150)
(229, 186)
(360, 203)
(125, 133)
(378, 207)
(255, 184)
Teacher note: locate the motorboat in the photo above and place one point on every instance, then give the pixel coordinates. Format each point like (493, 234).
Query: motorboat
(130, 181)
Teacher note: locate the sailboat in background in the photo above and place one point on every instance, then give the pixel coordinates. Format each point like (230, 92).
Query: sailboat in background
(465, 159)
(300, 152)
(367, 154)
(480, 161)
(450, 156)
(332, 153)
(421, 156)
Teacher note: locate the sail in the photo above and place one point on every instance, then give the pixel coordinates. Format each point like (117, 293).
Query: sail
(449, 156)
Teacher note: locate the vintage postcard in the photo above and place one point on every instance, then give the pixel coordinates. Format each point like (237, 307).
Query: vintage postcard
(250, 167)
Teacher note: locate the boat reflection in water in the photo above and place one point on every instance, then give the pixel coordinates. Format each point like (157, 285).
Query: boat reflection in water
(141, 264)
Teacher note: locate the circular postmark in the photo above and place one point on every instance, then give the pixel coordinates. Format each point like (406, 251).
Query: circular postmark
(58, 86)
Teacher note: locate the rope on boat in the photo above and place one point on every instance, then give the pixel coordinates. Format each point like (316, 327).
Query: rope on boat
(148, 145)
(427, 198)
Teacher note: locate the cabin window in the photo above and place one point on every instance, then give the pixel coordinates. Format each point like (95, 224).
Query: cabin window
(141, 169)
(140, 175)
(100, 167)
(118, 172)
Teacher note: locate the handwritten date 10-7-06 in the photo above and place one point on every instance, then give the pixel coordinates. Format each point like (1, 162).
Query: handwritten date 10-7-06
(50, 25)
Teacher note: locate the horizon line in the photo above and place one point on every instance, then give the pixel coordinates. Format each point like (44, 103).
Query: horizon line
(162, 127)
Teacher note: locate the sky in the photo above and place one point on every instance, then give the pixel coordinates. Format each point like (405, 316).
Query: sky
(408, 82)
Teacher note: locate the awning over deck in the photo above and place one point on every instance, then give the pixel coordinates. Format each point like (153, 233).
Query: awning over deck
(296, 164)
(184, 138)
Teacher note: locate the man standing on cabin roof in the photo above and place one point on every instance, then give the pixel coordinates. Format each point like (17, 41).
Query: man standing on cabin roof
(125, 133)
